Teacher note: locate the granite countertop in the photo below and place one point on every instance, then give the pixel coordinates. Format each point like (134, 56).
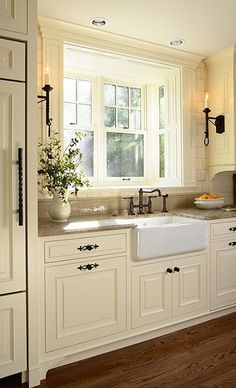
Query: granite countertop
(100, 223)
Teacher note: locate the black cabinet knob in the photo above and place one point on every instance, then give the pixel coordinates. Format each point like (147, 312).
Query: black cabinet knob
(169, 270)
(176, 269)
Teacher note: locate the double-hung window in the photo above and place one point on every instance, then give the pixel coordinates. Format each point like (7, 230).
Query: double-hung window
(131, 129)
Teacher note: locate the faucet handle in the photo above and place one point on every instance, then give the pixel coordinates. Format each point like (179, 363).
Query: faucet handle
(150, 203)
(164, 209)
(131, 205)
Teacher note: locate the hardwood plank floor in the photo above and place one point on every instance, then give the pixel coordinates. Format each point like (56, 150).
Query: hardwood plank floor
(202, 356)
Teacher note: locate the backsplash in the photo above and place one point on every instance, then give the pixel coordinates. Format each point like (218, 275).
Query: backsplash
(110, 205)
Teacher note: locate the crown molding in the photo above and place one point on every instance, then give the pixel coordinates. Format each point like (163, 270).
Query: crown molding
(224, 55)
(92, 38)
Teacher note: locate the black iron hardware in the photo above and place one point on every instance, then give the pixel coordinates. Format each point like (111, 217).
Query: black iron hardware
(169, 270)
(131, 205)
(47, 89)
(20, 184)
(88, 266)
(232, 244)
(176, 269)
(232, 229)
(219, 124)
(125, 179)
(89, 247)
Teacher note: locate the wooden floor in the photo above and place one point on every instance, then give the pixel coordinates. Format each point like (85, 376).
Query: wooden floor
(202, 356)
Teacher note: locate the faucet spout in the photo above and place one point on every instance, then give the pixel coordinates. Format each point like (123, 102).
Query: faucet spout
(152, 191)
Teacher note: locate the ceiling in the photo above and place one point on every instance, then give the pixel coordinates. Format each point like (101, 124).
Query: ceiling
(207, 26)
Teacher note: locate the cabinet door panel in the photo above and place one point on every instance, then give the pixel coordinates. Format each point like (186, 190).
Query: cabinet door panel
(189, 285)
(12, 334)
(12, 60)
(151, 294)
(84, 305)
(223, 270)
(12, 128)
(13, 15)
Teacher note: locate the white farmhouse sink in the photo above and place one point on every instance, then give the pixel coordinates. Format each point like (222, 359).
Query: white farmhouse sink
(168, 235)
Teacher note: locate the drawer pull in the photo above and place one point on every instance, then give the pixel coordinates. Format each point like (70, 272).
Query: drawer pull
(89, 247)
(232, 244)
(232, 229)
(169, 270)
(88, 266)
(176, 269)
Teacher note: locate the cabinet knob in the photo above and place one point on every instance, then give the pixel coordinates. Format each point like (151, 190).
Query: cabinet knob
(232, 229)
(88, 266)
(232, 244)
(176, 269)
(169, 270)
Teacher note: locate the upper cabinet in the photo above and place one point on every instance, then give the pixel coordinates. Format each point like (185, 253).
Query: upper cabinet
(221, 88)
(13, 15)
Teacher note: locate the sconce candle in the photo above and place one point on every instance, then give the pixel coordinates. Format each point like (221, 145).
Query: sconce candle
(206, 100)
(47, 76)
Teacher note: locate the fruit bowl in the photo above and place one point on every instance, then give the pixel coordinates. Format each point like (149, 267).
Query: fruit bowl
(214, 203)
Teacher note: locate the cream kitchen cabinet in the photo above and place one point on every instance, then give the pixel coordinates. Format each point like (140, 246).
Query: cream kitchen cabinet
(168, 289)
(13, 15)
(85, 301)
(223, 264)
(222, 93)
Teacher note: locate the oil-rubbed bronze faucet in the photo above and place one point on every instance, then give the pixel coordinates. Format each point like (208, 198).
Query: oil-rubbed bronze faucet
(140, 204)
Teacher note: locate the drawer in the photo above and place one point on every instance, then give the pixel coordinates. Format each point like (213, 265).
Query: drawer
(94, 245)
(12, 60)
(224, 229)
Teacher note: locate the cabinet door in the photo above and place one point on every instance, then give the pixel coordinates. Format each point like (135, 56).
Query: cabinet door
(151, 293)
(12, 60)
(12, 334)
(84, 305)
(189, 284)
(12, 129)
(13, 15)
(223, 274)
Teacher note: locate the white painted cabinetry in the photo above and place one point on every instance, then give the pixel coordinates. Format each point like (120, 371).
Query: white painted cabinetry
(85, 288)
(223, 264)
(82, 304)
(168, 289)
(12, 225)
(13, 15)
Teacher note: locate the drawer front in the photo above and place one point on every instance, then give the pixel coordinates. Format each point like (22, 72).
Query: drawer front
(12, 60)
(91, 246)
(224, 229)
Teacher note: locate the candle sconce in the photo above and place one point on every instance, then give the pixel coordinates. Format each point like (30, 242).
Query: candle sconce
(219, 124)
(47, 89)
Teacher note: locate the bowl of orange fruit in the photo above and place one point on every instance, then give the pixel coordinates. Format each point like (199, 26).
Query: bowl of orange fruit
(209, 201)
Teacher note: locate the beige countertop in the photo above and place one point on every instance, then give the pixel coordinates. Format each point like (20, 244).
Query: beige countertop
(100, 223)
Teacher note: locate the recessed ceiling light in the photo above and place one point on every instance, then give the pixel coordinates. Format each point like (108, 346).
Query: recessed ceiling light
(98, 22)
(177, 42)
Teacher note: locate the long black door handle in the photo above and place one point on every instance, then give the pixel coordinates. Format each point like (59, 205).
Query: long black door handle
(20, 186)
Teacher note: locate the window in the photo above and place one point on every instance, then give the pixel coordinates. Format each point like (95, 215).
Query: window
(131, 128)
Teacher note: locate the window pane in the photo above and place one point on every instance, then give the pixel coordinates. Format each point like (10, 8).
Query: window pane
(85, 115)
(125, 155)
(162, 155)
(135, 119)
(123, 118)
(110, 117)
(161, 107)
(122, 96)
(85, 92)
(69, 89)
(70, 114)
(135, 97)
(86, 146)
(109, 95)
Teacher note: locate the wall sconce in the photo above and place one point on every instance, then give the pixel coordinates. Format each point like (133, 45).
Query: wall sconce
(47, 89)
(219, 122)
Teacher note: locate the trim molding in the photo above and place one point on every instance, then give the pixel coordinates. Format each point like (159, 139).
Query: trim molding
(115, 43)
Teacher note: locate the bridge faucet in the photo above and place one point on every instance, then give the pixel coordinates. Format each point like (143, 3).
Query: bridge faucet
(149, 205)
